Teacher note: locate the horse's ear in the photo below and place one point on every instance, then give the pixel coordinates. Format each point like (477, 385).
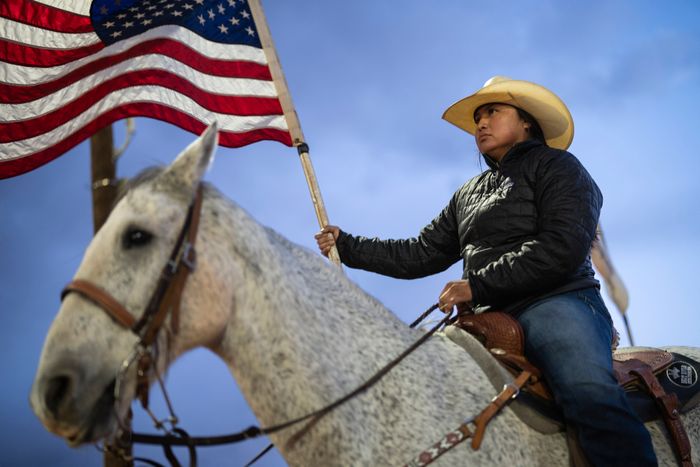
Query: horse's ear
(189, 167)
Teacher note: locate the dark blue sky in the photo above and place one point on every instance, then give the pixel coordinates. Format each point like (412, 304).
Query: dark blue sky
(370, 86)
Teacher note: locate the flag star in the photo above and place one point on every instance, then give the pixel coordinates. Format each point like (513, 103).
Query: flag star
(133, 9)
(176, 13)
(187, 6)
(151, 8)
(128, 24)
(169, 6)
(199, 2)
(104, 10)
(146, 22)
(221, 8)
(231, 2)
(234, 21)
(223, 29)
(200, 18)
(116, 33)
(158, 13)
(211, 14)
(139, 16)
(121, 16)
(245, 14)
(250, 31)
(109, 24)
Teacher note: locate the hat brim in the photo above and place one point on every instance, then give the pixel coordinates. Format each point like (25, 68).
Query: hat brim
(550, 112)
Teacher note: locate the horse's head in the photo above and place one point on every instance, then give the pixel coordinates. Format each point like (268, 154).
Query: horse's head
(86, 349)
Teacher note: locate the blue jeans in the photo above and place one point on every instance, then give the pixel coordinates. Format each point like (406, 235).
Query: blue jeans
(568, 337)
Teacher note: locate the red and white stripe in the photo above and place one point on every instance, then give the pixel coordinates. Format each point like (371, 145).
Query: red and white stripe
(59, 83)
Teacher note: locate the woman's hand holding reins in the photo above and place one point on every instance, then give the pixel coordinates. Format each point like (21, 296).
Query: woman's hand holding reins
(326, 238)
(455, 293)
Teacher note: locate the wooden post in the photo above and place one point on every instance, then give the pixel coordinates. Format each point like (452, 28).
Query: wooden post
(104, 192)
(104, 186)
(292, 119)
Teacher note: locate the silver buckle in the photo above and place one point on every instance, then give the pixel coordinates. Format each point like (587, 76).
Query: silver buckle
(470, 421)
(189, 256)
(512, 385)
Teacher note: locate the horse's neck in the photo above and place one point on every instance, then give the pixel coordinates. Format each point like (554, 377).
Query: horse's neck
(300, 336)
(300, 332)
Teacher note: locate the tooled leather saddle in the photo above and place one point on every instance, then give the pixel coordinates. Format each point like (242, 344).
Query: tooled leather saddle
(637, 372)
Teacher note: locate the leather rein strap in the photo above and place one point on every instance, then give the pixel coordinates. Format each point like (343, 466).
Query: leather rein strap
(312, 418)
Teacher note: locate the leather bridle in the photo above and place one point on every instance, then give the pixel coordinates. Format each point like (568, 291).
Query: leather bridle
(164, 300)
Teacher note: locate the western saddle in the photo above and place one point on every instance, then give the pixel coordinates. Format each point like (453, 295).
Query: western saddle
(636, 370)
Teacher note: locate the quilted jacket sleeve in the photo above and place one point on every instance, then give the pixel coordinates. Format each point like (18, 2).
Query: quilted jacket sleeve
(568, 205)
(435, 249)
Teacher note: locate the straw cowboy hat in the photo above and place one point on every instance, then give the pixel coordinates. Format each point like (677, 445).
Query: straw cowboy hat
(549, 111)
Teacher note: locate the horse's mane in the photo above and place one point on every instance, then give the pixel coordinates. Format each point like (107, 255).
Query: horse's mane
(300, 264)
(143, 177)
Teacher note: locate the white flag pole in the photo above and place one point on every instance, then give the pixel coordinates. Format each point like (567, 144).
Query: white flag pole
(292, 119)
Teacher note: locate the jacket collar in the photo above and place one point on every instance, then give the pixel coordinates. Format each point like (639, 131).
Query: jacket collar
(518, 149)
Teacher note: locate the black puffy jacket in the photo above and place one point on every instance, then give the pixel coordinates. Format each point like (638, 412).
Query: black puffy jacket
(523, 229)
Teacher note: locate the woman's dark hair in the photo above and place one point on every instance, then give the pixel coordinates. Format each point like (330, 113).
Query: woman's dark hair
(535, 131)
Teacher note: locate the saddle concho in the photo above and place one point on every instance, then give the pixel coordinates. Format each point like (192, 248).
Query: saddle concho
(682, 374)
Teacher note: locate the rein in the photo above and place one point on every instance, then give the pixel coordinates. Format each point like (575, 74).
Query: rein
(183, 439)
(314, 417)
(165, 300)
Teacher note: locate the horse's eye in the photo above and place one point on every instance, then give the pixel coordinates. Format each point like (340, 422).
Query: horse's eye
(136, 237)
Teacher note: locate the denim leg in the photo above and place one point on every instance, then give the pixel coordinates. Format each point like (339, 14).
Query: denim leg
(568, 337)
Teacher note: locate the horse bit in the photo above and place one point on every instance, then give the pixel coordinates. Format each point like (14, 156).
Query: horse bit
(166, 299)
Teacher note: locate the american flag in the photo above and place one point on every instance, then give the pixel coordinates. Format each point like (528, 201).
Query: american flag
(71, 67)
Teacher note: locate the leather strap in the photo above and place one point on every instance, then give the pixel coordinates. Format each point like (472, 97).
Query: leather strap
(669, 407)
(168, 291)
(623, 363)
(509, 391)
(517, 364)
(255, 432)
(101, 298)
(164, 300)
(166, 296)
(453, 438)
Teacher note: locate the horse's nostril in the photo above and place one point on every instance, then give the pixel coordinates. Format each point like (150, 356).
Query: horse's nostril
(56, 392)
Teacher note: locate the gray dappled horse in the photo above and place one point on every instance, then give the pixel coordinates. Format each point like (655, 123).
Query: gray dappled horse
(294, 331)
